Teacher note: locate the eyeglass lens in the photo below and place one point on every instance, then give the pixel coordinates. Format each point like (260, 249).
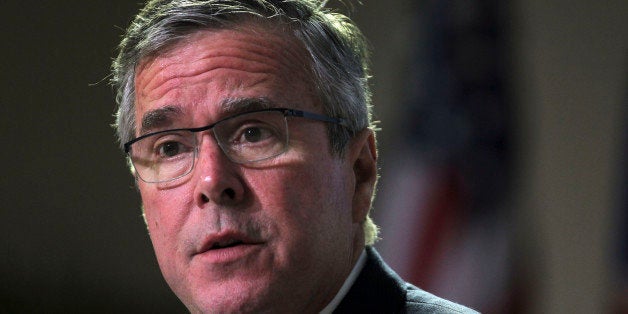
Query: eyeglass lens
(248, 137)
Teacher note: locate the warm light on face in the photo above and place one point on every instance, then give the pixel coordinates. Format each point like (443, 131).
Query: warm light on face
(247, 137)
(231, 236)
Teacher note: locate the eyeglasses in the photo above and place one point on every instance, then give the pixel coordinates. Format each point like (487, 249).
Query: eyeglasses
(245, 138)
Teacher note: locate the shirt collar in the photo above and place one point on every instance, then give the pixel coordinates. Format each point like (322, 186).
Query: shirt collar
(357, 268)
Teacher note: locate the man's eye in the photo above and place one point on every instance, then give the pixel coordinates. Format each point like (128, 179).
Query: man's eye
(254, 134)
(169, 149)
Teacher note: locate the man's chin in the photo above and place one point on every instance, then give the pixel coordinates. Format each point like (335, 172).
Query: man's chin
(232, 296)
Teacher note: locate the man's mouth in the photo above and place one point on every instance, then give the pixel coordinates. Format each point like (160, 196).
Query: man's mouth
(225, 244)
(227, 247)
(225, 240)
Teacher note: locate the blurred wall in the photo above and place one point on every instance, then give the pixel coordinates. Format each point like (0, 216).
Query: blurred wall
(73, 240)
(571, 62)
(72, 236)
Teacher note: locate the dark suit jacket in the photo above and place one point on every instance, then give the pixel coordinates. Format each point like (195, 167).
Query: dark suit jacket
(378, 289)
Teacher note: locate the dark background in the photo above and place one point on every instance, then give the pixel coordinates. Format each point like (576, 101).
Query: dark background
(73, 237)
(73, 240)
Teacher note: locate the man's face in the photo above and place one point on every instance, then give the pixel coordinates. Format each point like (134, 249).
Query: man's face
(278, 235)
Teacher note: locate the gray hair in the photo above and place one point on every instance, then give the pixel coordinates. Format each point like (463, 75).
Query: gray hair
(336, 47)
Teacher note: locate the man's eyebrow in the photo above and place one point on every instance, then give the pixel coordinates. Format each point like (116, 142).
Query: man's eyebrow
(159, 118)
(162, 118)
(232, 106)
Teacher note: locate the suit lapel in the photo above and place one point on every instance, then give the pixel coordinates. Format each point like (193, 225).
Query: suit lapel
(376, 290)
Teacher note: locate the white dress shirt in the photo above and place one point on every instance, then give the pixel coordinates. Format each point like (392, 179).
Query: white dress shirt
(346, 285)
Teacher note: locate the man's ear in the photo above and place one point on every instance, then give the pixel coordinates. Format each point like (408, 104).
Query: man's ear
(363, 155)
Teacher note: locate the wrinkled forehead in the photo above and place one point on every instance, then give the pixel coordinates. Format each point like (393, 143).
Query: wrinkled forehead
(253, 59)
(277, 34)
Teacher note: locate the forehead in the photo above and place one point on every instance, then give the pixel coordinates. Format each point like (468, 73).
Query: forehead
(209, 67)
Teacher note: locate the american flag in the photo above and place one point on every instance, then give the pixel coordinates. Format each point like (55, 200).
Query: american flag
(444, 200)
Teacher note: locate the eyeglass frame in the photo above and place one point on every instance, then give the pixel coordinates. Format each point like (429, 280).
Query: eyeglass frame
(285, 111)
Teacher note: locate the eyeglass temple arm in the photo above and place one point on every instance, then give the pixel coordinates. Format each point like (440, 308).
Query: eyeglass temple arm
(315, 116)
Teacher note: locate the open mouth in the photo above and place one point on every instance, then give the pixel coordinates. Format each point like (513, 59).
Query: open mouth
(232, 244)
(227, 248)
(225, 244)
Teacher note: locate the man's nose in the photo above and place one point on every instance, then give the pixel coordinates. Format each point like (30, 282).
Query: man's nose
(218, 179)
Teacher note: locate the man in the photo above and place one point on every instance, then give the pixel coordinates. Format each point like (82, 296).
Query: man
(247, 127)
